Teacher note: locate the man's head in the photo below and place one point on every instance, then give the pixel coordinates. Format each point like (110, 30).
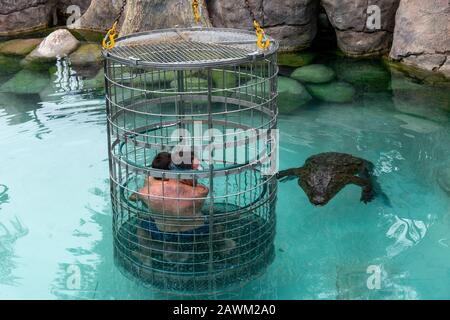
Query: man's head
(162, 161)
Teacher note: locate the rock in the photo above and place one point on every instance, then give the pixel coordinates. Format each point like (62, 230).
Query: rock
(98, 82)
(350, 20)
(421, 37)
(26, 82)
(59, 43)
(291, 95)
(19, 107)
(339, 92)
(224, 80)
(9, 65)
(191, 84)
(443, 178)
(314, 73)
(295, 59)
(365, 74)
(21, 16)
(292, 22)
(19, 47)
(418, 99)
(418, 125)
(100, 15)
(163, 13)
(86, 55)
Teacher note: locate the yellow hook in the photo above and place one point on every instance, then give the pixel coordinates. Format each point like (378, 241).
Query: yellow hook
(261, 36)
(110, 39)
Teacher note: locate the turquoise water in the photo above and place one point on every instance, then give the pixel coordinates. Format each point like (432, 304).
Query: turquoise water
(55, 216)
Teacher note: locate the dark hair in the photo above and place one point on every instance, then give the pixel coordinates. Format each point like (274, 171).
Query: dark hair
(162, 161)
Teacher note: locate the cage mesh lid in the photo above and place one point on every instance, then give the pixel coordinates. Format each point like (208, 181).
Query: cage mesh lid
(187, 48)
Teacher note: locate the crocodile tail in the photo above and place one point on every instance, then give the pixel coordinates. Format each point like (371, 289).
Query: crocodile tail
(287, 175)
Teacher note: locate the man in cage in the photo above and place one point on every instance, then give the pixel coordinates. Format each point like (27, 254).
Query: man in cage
(176, 206)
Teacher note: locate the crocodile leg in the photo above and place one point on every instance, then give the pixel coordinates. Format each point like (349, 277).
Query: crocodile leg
(367, 194)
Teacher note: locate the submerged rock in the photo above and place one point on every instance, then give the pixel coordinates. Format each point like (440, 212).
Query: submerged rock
(418, 99)
(59, 43)
(368, 75)
(339, 92)
(97, 82)
(86, 55)
(191, 84)
(295, 59)
(9, 65)
(18, 107)
(292, 95)
(443, 178)
(26, 82)
(224, 79)
(418, 125)
(314, 73)
(19, 47)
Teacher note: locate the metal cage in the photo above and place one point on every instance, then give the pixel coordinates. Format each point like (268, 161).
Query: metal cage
(210, 91)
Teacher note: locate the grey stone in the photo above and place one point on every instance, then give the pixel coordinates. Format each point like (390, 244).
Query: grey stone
(59, 43)
(292, 22)
(22, 16)
(349, 18)
(421, 37)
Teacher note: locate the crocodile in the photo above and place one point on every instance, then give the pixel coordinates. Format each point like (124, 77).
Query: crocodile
(325, 174)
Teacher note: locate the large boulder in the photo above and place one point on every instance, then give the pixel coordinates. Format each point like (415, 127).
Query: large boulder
(162, 13)
(349, 18)
(100, 15)
(22, 16)
(421, 37)
(293, 22)
(59, 43)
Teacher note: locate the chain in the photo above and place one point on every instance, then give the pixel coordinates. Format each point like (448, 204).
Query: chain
(263, 41)
(249, 9)
(110, 38)
(122, 9)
